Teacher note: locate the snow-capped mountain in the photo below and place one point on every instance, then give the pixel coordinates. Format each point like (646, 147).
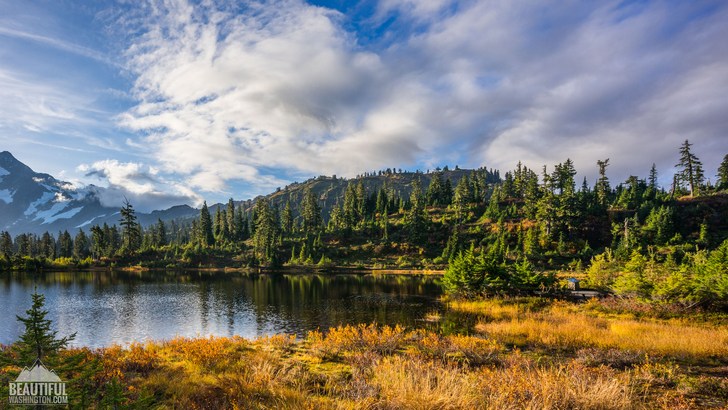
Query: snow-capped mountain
(31, 202)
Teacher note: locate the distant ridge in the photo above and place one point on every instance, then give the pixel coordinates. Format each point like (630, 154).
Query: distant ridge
(32, 202)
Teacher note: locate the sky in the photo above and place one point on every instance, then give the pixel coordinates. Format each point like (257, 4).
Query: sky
(175, 101)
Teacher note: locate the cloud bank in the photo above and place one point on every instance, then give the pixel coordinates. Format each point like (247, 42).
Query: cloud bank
(255, 92)
(141, 185)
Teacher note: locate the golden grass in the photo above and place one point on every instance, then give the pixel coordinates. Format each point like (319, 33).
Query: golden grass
(566, 326)
(371, 367)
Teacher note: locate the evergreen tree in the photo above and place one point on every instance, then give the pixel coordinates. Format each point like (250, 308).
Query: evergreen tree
(6, 244)
(462, 197)
(160, 234)
(217, 225)
(653, 177)
(602, 189)
(65, 245)
(382, 200)
(691, 169)
(231, 233)
(435, 190)
(131, 230)
(48, 246)
(447, 192)
(351, 206)
(336, 218)
(206, 237)
(360, 201)
(287, 219)
(22, 243)
(266, 232)
(98, 241)
(415, 218)
(722, 182)
(453, 246)
(80, 245)
(113, 239)
(241, 225)
(311, 212)
(38, 340)
(566, 211)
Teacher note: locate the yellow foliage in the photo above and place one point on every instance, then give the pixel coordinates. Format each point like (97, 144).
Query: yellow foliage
(562, 326)
(369, 366)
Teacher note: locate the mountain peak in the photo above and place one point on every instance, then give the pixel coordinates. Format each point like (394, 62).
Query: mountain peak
(7, 156)
(11, 164)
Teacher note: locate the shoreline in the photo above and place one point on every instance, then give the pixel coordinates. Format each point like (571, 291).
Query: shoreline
(297, 269)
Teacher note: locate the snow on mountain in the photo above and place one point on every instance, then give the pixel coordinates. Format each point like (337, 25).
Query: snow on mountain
(34, 202)
(33, 207)
(6, 196)
(86, 223)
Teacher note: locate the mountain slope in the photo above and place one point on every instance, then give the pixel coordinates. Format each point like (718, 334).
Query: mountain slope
(330, 191)
(32, 202)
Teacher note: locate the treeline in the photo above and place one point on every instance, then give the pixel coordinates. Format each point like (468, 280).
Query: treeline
(635, 240)
(497, 235)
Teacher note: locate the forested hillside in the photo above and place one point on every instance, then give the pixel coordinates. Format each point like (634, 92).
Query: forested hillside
(493, 234)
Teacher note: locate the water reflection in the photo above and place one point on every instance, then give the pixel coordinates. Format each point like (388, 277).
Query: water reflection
(120, 307)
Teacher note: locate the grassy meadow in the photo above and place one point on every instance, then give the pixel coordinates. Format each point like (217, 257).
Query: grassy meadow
(525, 353)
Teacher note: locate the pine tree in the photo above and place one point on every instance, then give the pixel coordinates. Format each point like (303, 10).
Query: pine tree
(38, 341)
(131, 231)
(722, 182)
(113, 240)
(206, 237)
(160, 234)
(415, 218)
(602, 189)
(65, 245)
(434, 191)
(230, 215)
(351, 206)
(462, 197)
(98, 241)
(385, 223)
(691, 169)
(381, 200)
(287, 219)
(48, 246)
(241, 225)
(81, 245)
(447, 192)
(6, 244)
(266, 232)
(311, 212)
(653, 177)
(453, 246)
(361, 202)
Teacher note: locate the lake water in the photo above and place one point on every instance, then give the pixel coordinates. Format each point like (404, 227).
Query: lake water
(105, 308)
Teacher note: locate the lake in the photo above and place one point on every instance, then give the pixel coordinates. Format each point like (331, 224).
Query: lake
(105, 308)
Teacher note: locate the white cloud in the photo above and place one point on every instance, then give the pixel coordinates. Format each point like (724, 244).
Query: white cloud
(140, 184)
(419, 10)
(50, 113)
(56, 43)
(224, 93)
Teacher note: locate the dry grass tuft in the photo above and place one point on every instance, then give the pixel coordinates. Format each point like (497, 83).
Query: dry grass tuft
(367, 366)
(564, 326)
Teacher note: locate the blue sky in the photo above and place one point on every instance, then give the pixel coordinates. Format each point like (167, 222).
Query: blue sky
(175, 101)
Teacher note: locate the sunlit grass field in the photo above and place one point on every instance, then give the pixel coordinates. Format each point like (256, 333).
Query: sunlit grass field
(528, 355)
(563, 325)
